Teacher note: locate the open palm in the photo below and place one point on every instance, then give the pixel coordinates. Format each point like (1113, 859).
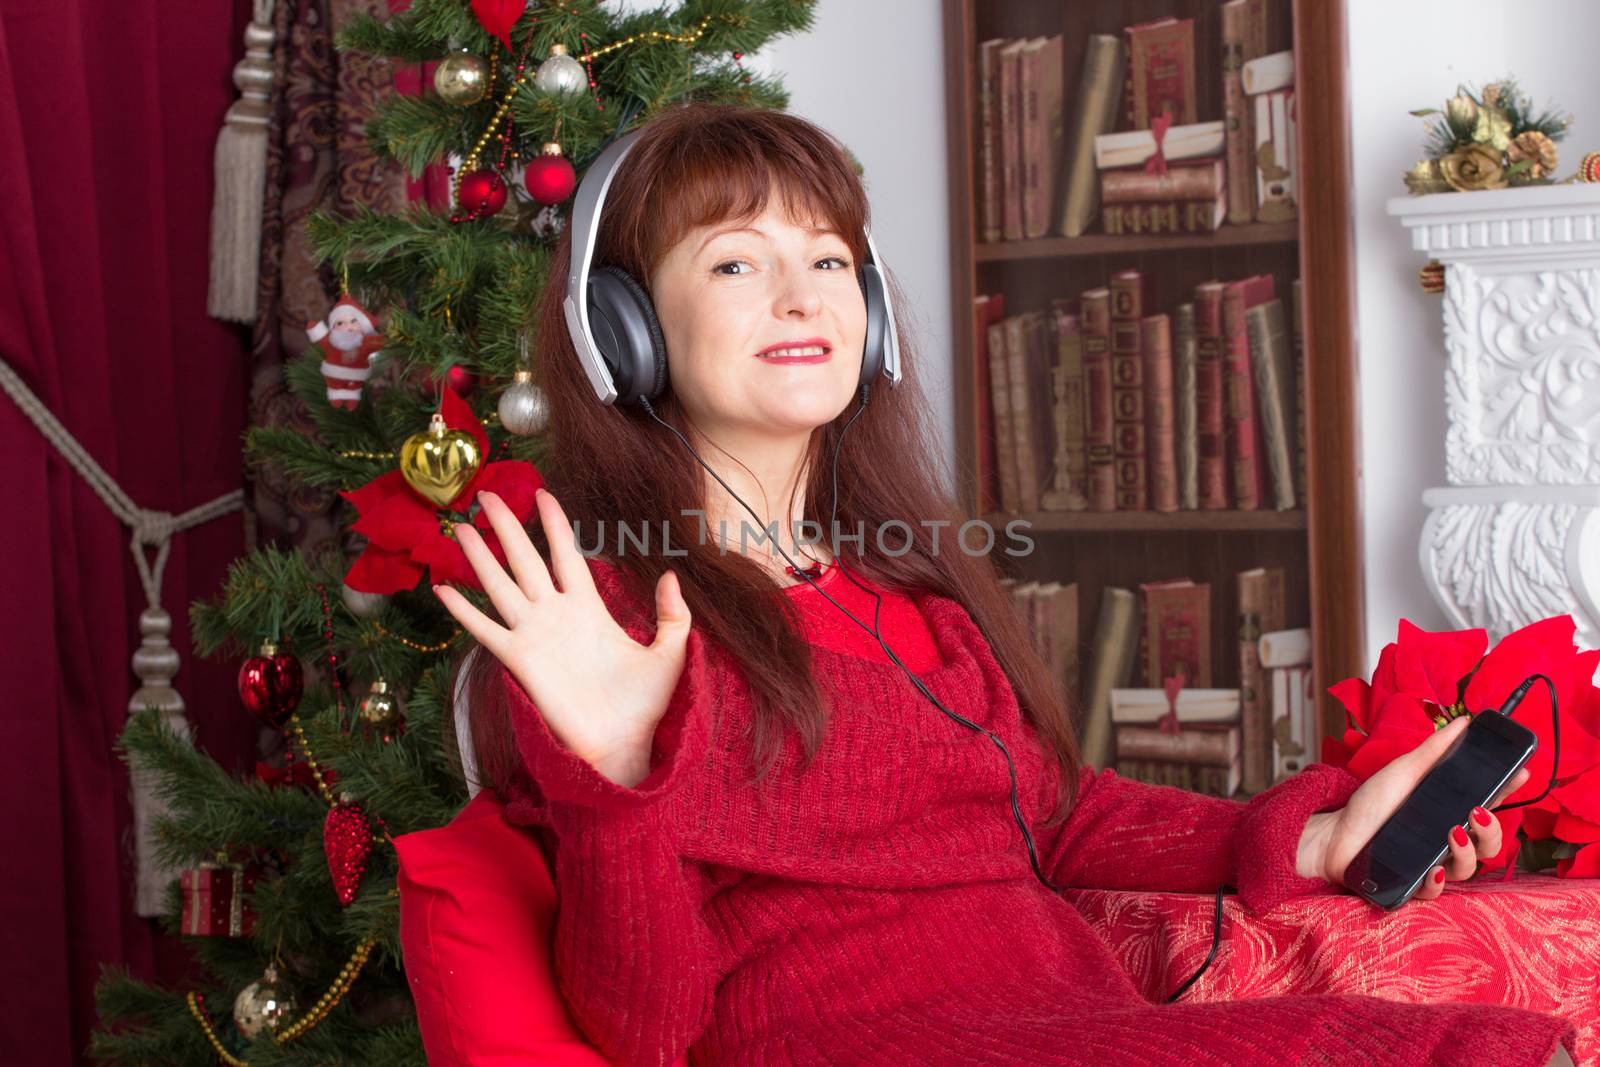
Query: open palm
(601, 692)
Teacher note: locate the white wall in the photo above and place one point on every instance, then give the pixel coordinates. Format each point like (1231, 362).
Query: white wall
(1404, 56)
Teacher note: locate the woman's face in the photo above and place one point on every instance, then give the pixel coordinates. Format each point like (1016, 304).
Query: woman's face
(726, 293)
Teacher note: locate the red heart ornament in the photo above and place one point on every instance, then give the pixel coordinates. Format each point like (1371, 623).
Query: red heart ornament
(347, 841)
(498, 16)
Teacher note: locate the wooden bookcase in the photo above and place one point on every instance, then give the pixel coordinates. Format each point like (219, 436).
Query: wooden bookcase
(1319, 546)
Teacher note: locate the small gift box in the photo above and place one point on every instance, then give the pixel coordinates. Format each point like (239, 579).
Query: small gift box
(214, 900)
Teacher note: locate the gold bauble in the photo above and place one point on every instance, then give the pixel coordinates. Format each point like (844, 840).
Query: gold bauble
(380, 708)
(262, 1005)
(439, 462)
(461, 78)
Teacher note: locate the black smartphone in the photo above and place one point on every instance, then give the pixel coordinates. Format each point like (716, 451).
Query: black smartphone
(1472, 771)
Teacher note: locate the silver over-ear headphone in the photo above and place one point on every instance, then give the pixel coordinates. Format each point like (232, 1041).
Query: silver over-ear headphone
(614, 326)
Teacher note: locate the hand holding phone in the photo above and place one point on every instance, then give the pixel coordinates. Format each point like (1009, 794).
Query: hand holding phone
(1479, 764)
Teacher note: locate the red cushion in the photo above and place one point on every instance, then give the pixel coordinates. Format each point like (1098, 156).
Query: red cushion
(477, 927)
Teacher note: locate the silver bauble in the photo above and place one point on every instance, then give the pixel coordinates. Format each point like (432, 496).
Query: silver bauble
(461, 78)
(362, 605)
(524, 409)
(262, 1005)
(560, 73)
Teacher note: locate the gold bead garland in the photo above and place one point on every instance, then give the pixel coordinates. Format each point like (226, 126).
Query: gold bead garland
(417, 646)
(307, 1022)
(471, 162)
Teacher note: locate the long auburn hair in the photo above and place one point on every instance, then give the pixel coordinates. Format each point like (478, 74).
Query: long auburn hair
(700, 164)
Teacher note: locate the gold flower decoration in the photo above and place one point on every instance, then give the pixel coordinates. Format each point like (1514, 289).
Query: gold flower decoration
(1537, 149)
(1425, 178)
(1476, 166)
(1462, 109)
(1491, 95)
(1493, 128)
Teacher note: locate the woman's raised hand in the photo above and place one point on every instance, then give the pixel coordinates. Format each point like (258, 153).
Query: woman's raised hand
(600, 691)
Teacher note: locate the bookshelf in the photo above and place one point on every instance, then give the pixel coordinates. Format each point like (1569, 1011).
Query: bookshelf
(1318, 544)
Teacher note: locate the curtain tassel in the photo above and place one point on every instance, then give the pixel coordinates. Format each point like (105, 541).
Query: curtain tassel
(241, 178)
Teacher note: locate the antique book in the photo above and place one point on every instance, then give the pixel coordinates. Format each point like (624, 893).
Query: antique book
(1022, 603)
(1055, 606)
(1130, 148)
(1274, 381)
(1160, 71)
(1285, 648)
(1069, 482)
(1022, 358)
(1198, 180)
(1197, 778)
(1004, 436)
(1116, 643)
(1266, 73)
(1038, 407)
(988, 308)
(1011, 139)
(1094, 112)
(1161, 432)
(1262, 609)
(1041, 132)
(1170, 216)
(1215, 745)
(1210, 407)
(1127, 390)
(1098, 431)
(1244, 38)
(1184, 402)
(989, 137)
(1245, 462)
(1177, 632)
(1277, 196)
(1149, 706)
(1293, 731)
(1298, 338)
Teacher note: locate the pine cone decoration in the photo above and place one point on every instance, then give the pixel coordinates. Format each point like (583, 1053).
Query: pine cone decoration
(1537, 149)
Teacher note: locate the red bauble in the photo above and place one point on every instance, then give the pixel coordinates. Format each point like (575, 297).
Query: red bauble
(460, 380)
(347, 841)
(550, 178)
(482, 193)
(270, 685)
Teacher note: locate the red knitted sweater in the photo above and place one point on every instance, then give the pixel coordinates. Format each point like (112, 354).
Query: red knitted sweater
(880, 908)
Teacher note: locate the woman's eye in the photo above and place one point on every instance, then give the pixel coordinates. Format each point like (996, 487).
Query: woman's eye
(844, 264)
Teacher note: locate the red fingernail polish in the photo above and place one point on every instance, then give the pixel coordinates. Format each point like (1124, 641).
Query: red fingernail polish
(1481, 817)
(1438, 875)
(1459, 836)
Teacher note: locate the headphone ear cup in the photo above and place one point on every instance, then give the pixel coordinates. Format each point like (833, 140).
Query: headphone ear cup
(872, 354)
(628, 334)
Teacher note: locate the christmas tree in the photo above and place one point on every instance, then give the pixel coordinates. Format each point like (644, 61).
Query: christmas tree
(287, 895)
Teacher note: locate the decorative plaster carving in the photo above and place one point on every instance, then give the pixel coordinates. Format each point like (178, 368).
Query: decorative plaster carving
(1516, 537)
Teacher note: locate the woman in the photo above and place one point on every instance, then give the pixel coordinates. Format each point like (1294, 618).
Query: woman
(769, 848)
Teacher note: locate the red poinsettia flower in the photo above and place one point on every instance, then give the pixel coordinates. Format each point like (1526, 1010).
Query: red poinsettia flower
(407, 536)
(1425, 679)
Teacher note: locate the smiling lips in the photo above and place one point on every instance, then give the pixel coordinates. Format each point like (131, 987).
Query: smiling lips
(806, 350)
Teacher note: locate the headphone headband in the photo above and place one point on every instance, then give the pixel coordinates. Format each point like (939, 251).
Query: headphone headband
(584, 227)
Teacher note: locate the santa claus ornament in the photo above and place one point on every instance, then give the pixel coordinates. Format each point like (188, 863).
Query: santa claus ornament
(347, 341)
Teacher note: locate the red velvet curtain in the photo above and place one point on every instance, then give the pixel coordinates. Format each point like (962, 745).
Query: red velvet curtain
(108, 116)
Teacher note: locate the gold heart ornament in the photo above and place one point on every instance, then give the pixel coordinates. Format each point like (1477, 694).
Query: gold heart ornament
(439, 462)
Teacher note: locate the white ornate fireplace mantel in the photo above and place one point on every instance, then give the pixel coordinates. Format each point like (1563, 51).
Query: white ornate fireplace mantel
(1515, 536)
